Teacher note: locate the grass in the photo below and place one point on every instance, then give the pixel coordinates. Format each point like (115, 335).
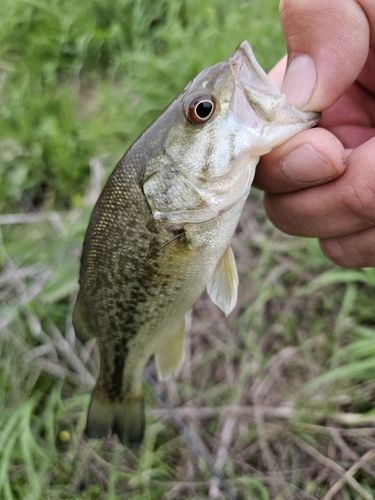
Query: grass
(281, 393)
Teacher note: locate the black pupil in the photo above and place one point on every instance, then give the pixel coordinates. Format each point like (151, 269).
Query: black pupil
(203, 110)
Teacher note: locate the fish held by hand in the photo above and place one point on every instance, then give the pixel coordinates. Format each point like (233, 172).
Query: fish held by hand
(160, 232)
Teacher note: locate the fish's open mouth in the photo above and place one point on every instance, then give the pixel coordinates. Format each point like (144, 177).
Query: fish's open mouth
(262, 96)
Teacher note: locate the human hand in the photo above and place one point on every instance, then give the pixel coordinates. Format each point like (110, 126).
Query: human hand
(321, 183)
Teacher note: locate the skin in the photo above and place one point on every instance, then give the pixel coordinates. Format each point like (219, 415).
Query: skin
(321, 183)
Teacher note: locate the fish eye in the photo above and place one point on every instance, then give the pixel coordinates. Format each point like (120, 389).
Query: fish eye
(200, 108)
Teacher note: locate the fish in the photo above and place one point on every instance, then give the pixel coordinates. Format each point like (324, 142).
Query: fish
(160, 232)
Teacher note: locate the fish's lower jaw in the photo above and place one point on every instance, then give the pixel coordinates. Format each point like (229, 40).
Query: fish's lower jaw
(125, 418)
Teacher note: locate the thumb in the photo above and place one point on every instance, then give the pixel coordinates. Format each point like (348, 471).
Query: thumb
(328, 44)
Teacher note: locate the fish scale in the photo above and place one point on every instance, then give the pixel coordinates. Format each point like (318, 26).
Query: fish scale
(160, 232)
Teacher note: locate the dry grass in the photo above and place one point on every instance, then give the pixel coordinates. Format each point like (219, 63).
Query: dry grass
(243, 392)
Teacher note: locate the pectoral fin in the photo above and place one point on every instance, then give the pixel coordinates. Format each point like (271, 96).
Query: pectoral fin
(223, 286)
(170, 355)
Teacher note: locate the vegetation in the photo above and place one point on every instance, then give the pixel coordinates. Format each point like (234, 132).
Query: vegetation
(281, 393)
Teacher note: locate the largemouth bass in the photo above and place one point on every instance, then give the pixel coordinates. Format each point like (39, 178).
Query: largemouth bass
(160, 232)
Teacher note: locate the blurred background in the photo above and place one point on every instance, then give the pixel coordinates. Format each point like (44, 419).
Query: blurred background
(281, 393)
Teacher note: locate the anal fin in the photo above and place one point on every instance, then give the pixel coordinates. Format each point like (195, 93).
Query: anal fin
(170, 356)
(223, 287)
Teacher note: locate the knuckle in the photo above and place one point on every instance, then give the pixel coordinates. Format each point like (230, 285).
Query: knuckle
(357, 200)
(290, 8)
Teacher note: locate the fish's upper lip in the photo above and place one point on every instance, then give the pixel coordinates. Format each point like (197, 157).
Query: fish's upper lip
(245, 47)
(246, 55)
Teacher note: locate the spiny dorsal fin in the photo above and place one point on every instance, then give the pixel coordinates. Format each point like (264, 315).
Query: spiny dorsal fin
(170, 355)
(223, 286)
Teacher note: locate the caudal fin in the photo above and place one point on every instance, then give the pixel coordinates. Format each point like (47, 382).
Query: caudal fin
(125, 418)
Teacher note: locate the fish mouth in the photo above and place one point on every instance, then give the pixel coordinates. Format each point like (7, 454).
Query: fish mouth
(265, 99)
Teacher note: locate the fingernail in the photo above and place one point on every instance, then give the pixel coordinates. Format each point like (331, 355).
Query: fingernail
(304, 164)
(299, 81)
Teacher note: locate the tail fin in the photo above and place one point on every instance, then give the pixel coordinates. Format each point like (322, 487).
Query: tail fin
(125, 418)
